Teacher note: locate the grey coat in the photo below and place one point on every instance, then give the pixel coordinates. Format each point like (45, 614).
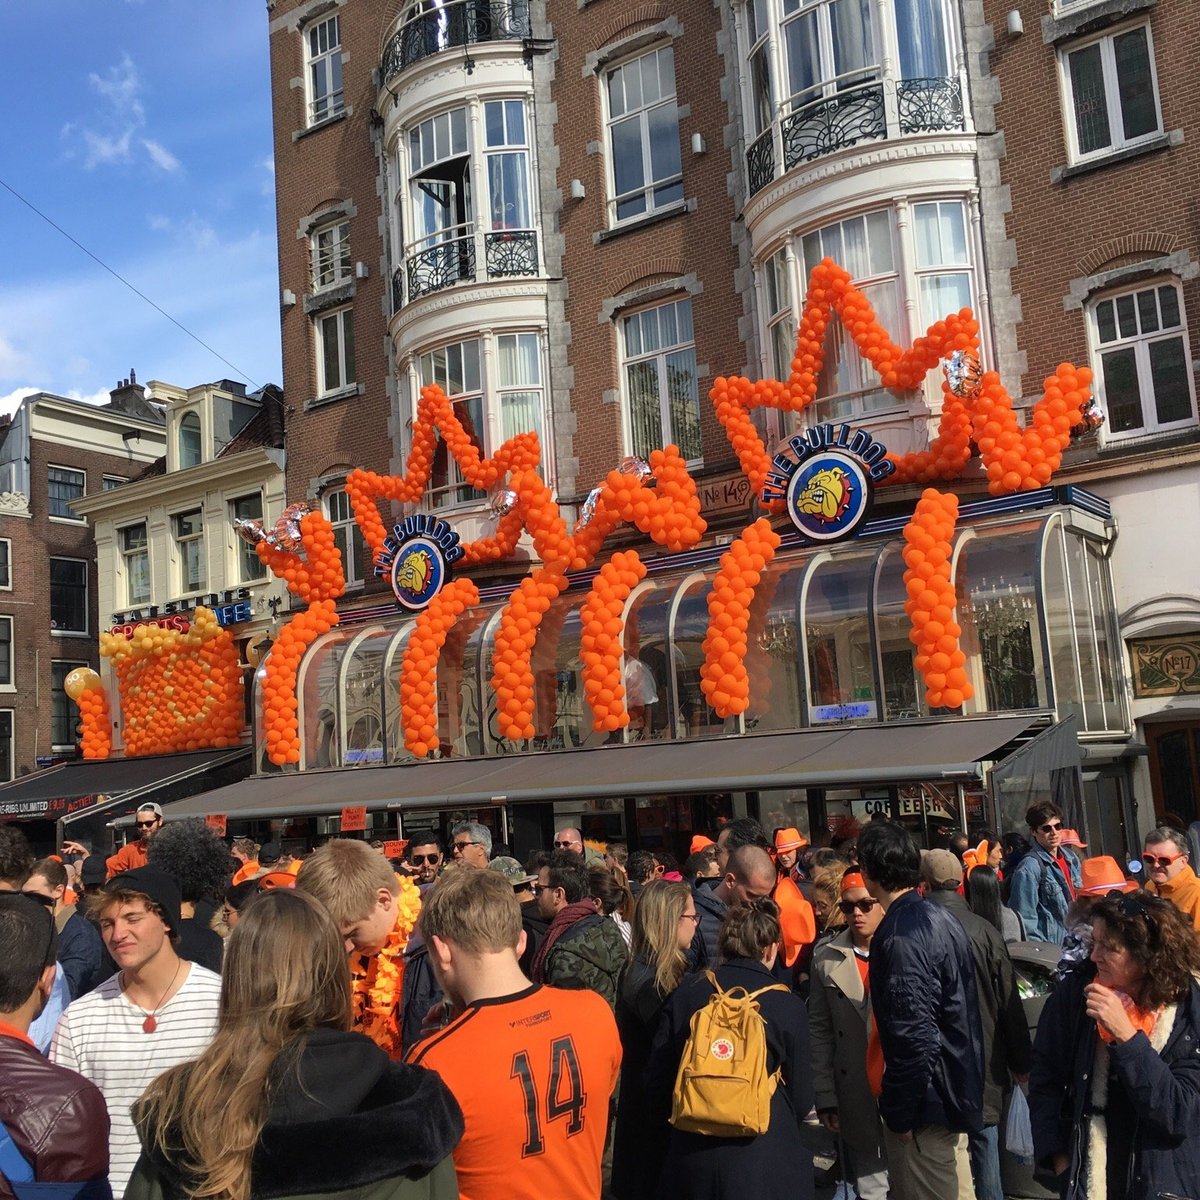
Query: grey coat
(838, 1014)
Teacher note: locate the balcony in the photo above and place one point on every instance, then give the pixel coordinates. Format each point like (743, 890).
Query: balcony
(867, 112)
(434, 26)
(433, 268)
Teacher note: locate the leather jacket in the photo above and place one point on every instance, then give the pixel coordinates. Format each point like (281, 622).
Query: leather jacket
(57, 1119)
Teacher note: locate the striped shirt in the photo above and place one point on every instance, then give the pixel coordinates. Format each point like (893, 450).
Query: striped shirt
(101, 1036)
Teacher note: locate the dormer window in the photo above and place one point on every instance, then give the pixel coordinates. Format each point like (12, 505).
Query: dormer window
(190, 449)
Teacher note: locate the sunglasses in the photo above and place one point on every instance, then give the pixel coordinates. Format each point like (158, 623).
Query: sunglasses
(564, 845)
(147, 824)
(433, 859)
(1051, 827)
(846, 907)
(1161, 861)
(538, 888)
(461, 846)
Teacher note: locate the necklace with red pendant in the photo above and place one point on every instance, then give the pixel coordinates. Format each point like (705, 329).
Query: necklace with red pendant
(150, 1024)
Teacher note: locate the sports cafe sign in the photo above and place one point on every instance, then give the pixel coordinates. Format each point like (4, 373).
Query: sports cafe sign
(232, 607)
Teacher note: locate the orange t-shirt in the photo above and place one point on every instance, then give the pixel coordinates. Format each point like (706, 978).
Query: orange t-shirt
(533, 1074)
(874, 1049)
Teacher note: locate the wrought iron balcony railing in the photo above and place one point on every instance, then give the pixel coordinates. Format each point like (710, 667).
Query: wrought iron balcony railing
(434, 26)
(440, 266)
(858, 114)
(433, 268)
(511, 252)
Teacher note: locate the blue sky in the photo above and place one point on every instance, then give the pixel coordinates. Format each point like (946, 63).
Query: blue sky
(143, 128)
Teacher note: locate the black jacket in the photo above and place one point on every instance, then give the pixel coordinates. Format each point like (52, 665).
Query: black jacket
(925, 1008)
(711, 910)
(1163, 1088)
(344, 1120)
(775, 1165)
(57, 1119)
(82, 956)
(1006, 1045)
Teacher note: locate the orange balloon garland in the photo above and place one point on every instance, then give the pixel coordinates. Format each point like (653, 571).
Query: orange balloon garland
(418, 674)
(601, 645)
(95, 716)
(931, 600)
(723, 676)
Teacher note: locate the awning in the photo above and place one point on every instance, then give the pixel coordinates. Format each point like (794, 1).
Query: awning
(76, 788)
(903, 752)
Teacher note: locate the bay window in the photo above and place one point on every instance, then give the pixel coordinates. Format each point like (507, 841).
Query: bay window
(943, 263)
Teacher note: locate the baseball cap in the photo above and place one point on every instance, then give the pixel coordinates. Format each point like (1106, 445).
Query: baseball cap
(150, 806)
(511, 870)
(93, 870)
(157, 885)
(940, 866)
(270, 852)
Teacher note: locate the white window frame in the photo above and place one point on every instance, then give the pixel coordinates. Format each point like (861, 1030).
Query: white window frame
(319, 61)
(71, 665)
(946, 267)
(108, 482)
(12, 740)
(456, 492)
(86, 597)
(6, 583)
(520, 151)
(73, 518)
(347, 535)
(658, 356)
(1141, 343)
(830, 83)
(9, 684)
(127, 554)
(193, 421)
(342, 318)
(181, 543)
(1118, 140)
(250, 568)
(642, 112)
(329, 245)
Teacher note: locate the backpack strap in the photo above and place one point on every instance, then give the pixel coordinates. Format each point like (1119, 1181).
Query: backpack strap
(771, 987)
(13, 1164)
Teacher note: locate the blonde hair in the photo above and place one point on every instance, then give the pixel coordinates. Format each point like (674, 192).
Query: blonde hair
(474, 909)
(656, 917)
(345, 876)
(285, 973)
(827, 885)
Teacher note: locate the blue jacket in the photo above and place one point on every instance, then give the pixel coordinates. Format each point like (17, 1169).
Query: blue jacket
(1164, 1090)
(926, 1010)
(1038, 894)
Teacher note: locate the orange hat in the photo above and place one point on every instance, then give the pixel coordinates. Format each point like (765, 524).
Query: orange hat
(976, 857)
(1070, 837)
(700, 842)
(276, 879)
(852, 879)
(789, 839)
(1102, 875)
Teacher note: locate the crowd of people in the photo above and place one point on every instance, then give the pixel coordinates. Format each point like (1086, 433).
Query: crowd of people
(193, 1019)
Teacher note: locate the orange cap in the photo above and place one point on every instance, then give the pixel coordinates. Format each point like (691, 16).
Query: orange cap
(700, 842)
(789, 839)
(1103, 874)
(852, 879)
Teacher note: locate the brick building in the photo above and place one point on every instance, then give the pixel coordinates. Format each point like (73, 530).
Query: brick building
(52, 452)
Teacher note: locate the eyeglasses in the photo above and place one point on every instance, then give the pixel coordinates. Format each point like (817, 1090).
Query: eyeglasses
(1161, 861)
(693, 917)
(433, 859)
(846, 907)
(538, 888)
(1050, 827)
(147, 824)
(462, 846)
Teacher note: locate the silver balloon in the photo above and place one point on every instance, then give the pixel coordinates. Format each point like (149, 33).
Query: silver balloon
(964, 374)
(286, 535)
(249, 530)
(503, 502)
(632, 465)
(588, 511)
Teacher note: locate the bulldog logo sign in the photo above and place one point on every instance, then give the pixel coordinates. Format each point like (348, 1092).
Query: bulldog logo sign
(417, 559)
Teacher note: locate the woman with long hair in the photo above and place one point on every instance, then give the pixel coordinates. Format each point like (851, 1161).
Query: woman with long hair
(1114, 1094)
(664, 922)
(982, 886)
(286, 1101)
(775, 1164)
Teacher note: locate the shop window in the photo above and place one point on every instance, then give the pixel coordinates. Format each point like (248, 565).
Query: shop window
(135, 560)
(188, 529)
(1111, 93)
(837, 635)
(647, 671)
(693, 716)
(63, 714)
(773, 652)
(1144, 370)
(68, 595)
(459, 726)
(330, 248)
(64, 484)
(323, 52)
(903, 689)
(347, 536)
(250, 566)
(563, 716)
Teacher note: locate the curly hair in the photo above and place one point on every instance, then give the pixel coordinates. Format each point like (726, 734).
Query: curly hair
(1160, 939)
(193, 853)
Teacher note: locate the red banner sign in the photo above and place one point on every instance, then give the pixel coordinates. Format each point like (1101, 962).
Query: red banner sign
(354, 818)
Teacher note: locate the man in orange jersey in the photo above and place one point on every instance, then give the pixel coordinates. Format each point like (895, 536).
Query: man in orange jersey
(532, 1067)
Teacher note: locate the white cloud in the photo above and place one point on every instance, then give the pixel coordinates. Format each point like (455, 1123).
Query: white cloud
(102, 150)
(160, 155)
(10, 402)
(121, 87)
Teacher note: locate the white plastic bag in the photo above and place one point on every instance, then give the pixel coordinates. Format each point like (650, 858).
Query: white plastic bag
(1018, 1136)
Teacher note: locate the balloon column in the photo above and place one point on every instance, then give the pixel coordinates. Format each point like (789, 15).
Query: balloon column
(83, 685)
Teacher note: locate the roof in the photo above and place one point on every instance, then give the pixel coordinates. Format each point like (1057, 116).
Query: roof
(264, 429)
(903, 752)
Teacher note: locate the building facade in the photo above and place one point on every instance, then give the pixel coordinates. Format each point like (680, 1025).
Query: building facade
(53, 453)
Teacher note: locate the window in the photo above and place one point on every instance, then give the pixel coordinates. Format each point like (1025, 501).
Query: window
(1144, 369)
(659, 361)
(6, 745)
(457, 370)
(1112, 96)
(5, 565)
(923, 33)
(331, 256)
(65, 485)
(347, 536)
(189, 546)
(848, 385)
(250, 566)
(829, 47)
(6, 652)
(761, 107)
(643, 132)
(520, 384)
(113, 481)
(190, 452)
(507, 157)
(440, 193)
(63, 718)
(335, 350)
(943, 262)
(781, 320)
(135, 556)
(68, 595)
(323, 43)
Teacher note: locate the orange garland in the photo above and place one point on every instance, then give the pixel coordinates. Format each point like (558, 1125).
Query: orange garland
(377, 982)
(931, 600)
(85, 688)
(601, 645)
(723, 677)
(418, 673)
